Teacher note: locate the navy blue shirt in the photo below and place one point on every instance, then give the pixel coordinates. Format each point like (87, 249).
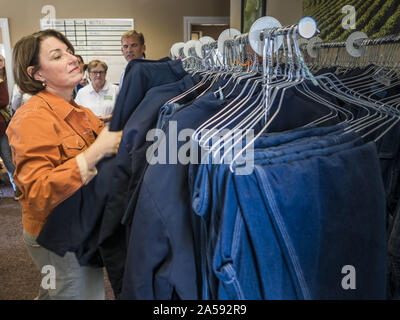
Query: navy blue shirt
(131, 158)
(129, 164)
(140, 76)
(161, 262)
(74, 224)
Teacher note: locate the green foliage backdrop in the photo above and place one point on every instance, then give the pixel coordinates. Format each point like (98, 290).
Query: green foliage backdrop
(252, 10)
(376, 18)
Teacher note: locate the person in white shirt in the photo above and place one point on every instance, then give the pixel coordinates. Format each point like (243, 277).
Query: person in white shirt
(18, 99)
(99, 95)
(84, 80)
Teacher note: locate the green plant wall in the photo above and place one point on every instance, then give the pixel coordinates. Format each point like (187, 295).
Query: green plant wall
(376, 18)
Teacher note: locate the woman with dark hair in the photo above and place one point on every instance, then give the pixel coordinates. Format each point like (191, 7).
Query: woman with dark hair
(56, 145)
(84, 81)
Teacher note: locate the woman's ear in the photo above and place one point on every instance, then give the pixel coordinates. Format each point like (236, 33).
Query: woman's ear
(37, 76)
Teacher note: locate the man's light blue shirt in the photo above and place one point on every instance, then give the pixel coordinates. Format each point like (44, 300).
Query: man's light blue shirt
(123, 74)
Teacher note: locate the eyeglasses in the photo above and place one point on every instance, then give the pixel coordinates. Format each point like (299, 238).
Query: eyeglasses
(100, 73)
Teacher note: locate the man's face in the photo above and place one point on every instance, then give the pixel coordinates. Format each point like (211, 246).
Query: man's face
(132, 49)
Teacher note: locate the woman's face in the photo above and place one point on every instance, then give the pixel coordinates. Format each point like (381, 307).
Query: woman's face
(2, 62)
(97, 76)
(59, 68)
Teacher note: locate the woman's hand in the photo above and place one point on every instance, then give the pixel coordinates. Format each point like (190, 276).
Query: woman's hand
(105, 118)
(106, 144)
(108, 141)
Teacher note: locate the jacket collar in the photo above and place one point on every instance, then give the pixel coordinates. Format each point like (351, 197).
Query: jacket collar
(59, 105)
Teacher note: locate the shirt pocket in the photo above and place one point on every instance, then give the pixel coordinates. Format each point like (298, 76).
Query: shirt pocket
(71, 146)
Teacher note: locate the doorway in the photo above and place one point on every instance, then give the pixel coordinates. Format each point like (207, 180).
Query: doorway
(197, 27)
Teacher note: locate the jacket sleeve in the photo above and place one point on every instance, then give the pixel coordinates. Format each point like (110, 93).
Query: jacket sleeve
(46, 180)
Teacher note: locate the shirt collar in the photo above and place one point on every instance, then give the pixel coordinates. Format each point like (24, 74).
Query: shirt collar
(105, 87)
(59, 105)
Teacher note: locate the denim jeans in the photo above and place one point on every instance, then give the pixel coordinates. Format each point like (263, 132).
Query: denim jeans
(71, 281)
(229, 273)
(5, 154)
(230, 248)
(276, 139)
(299, 225)
(301, 146)
(331, 146)
(207, 203)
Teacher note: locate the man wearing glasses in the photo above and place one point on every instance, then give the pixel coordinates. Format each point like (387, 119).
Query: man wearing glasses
(100, 95)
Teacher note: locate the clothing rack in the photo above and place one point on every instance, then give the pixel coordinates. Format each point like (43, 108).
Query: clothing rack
(301, 29)
(382, 51)
(296, 122)
(390, 39)
(238, 49)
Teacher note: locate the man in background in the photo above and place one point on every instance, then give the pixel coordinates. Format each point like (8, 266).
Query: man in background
(132, 47)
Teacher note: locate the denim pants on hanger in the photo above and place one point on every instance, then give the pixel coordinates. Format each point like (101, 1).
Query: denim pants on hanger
(204, 200)
(299, 227)
(302, 150)
(304, 145)
(199, 176)
(71, 281)
(286, 293)
(199, 181)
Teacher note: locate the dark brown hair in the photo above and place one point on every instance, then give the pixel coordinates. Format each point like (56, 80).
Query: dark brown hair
(26, 54)
(80, 58)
